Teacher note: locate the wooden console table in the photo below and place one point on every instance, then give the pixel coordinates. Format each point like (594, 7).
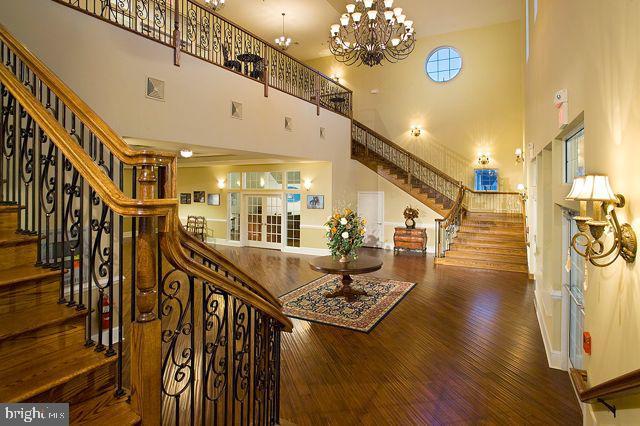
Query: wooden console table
(410, 239)
(331, 265)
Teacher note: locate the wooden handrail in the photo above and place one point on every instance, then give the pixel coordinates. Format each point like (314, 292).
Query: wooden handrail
(165, 208)
(618, 387)
(407, 153)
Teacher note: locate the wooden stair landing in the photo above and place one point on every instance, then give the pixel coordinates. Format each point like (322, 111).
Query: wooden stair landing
(489, 241)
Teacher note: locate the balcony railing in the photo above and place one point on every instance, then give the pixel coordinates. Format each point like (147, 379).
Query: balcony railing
(199, 32)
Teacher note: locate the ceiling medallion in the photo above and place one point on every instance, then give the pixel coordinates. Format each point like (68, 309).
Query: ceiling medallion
(370, 32)
(283, 41)
(215, 4)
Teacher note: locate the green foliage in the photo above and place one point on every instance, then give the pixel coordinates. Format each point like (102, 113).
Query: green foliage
(345, 233)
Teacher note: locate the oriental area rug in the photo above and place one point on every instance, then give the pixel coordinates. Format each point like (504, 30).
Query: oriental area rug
(309, 303)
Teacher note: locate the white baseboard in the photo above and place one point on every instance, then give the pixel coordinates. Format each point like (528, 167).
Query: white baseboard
(307, 250)
(223, 242)
(554, 358)
(389, 246)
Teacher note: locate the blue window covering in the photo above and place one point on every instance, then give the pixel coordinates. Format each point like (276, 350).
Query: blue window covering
(486, 180)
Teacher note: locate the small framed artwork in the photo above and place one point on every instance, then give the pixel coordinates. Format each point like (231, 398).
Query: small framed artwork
(213, 199)
(198, 196)
(185, 198)
(315, 202)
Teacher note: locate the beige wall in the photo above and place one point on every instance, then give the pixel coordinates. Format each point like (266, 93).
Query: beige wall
(592, 49)
(480, 110)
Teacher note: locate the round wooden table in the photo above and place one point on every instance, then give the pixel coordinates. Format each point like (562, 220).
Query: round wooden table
(331, 265)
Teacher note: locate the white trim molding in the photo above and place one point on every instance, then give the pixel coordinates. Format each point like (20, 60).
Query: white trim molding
(304, 226)
(554, 358)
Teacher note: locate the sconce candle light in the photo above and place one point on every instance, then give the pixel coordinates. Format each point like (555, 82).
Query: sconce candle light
(519, 156)
(307, 184)
(416, 131)
(483, 159)
(596, 188)
(221, 183)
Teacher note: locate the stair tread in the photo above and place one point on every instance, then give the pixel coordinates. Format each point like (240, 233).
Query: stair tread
(488, 249)
(8, 208)
(492, 235)
(25, 273)
(483, 264)
(483, 255)
(11, 238)
(37, 365)
(101, 409)
(30, 319)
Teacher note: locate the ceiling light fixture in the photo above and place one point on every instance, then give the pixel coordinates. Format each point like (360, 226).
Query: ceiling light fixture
(283, 41)
(370, 32)
(215, 4)
(186, 153)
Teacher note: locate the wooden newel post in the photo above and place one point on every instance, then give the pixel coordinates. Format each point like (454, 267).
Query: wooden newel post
(146, 343)
(177, 38)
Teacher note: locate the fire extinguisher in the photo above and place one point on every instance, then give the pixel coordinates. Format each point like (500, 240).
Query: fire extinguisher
(105, 311)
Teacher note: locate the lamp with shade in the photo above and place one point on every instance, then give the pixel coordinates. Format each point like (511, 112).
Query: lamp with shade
(597, 189)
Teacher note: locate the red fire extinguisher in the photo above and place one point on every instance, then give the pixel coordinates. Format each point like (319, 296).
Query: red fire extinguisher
(105, 313)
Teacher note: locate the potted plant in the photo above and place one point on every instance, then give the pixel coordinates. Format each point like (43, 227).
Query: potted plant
(345, 234)
(410, 216)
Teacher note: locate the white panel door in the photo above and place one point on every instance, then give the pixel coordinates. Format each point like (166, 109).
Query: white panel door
(371, 207)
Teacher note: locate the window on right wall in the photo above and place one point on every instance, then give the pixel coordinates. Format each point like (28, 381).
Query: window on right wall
(574, 155)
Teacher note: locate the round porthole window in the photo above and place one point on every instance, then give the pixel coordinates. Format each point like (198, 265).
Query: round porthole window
(443, 64)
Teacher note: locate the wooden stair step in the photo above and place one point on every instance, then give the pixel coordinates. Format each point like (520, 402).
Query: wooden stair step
(489, 250)
(26, 273)
(483, 264)
(9, 217)
(503, 217)
(483, 255)
(105, 408)
(489, 242)
(29, 319)
(17, 249)
(492, 224)
(54, 368)
(491, 236)
(519, 231)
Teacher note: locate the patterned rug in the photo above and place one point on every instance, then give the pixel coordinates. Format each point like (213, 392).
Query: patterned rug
(309, 303)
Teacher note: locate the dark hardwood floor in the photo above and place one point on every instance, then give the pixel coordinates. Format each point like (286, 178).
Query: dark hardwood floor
(463, 347)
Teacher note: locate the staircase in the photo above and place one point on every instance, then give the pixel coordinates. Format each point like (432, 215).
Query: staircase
(42, 342)
(408, 172)
(494, 241)
(187, 337)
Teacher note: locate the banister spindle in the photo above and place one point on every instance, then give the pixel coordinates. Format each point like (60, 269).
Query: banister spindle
(146, 343)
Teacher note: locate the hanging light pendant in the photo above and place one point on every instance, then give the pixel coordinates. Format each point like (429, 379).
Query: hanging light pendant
(215, 4)
(283, 41)
(371, 32)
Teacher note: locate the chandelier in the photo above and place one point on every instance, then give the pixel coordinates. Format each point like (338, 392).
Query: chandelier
(283, 41)
(370, 32)
(215, 4)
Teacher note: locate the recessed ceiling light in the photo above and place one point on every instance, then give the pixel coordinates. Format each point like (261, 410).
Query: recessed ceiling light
(186, 153)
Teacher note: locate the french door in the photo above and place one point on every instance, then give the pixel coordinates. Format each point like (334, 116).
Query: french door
(264, 221)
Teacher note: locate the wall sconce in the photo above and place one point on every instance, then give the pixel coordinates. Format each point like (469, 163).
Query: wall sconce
(519, 156)
(186, 153)
(221, 183)
(336, 78)
(483, 159)
(307, 184)
(596, 188)
(522, 190)
(416, 131)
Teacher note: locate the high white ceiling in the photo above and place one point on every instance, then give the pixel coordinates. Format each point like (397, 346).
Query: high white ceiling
(308, 21)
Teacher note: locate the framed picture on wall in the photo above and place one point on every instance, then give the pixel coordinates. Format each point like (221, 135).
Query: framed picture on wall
(315, 202)
(213, 199)
(198, 196)
(185, 198)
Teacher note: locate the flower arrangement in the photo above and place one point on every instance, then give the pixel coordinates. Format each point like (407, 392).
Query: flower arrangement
(410, 215)
(345, 234)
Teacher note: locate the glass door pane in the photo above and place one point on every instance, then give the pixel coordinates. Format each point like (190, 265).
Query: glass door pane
(234, 216)
(273, 219)
(254, 218)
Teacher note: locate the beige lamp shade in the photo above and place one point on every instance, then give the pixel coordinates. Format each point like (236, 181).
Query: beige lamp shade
(578, 183)
(596, 188)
